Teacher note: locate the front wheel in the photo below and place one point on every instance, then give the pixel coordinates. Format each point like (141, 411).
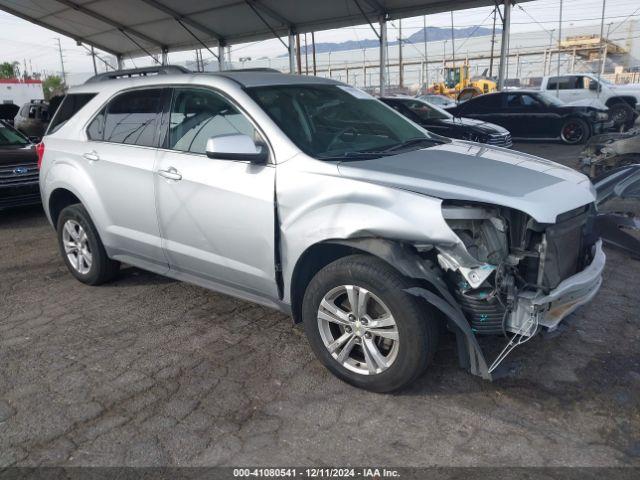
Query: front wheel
(365, 328)
(574, 131)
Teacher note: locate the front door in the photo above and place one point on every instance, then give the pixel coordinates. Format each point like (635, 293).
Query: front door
(216, 216)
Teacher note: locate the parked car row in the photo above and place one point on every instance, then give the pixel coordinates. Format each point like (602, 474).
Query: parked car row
(443, 123)
(531, 114)
(31, 119)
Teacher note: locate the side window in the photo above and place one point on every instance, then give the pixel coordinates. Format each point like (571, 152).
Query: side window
(483, 102)
(95, 130)
(564, 83)
(132, 118)
(66, 109)
(514, 100)
(529, 101)
(199, 114)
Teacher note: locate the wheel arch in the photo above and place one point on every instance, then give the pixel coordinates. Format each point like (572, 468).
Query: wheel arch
(628, 99)
(59, 199)
(397, 254)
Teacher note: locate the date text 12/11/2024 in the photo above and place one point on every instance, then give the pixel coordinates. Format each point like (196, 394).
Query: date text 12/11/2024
(374, 473)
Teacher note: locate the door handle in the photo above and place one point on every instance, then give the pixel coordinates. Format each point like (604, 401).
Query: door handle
(171, 173)
(92, 156)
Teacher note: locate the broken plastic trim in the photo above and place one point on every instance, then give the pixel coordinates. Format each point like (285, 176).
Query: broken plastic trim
(622, 182)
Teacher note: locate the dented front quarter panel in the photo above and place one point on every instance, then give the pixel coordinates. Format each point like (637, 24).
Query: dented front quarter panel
(317, 204)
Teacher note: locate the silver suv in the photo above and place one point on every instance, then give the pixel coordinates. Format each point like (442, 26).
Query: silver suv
(311, 197)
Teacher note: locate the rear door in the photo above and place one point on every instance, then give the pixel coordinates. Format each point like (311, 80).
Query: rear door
(120, 156)
(487, 108)
(216, 215)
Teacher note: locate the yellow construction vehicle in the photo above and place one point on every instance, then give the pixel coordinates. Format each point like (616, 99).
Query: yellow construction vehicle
(457, 81)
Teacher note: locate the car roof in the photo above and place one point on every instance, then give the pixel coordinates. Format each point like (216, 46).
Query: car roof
(246, 79)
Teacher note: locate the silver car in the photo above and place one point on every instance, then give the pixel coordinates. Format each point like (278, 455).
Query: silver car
(311, 197)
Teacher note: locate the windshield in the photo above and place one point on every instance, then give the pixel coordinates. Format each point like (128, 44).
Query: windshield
(9, 136)
(329, 121)
(550, 100)
(426, 111)
(436, 99)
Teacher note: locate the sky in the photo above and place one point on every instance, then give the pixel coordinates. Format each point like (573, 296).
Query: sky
(25, 42)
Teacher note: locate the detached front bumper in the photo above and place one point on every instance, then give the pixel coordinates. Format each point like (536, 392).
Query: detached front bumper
(570, 294)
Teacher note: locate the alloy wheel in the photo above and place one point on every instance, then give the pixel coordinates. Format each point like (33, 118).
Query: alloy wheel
(572, 132)
(76, 246)
(358, 330)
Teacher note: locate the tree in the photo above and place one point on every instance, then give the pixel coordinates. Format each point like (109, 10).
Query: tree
(9, 69)
(52, 86)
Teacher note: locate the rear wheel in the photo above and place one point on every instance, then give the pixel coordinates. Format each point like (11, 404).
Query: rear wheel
(364, 328)
(82, 249)
(574, 131)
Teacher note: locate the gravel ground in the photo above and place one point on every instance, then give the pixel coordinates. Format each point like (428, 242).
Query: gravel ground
(150, 371)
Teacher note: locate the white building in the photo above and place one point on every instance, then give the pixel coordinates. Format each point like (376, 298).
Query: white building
(19, 92)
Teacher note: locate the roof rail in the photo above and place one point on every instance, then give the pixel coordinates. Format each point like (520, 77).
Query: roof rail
(255, 69)
(138, 72)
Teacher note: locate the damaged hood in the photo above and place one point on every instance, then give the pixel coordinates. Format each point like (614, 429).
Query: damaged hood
(469, 171)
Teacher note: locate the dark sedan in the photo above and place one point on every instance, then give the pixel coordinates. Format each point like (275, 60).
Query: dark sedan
(439, 121)
(536, 115)
(18, 169)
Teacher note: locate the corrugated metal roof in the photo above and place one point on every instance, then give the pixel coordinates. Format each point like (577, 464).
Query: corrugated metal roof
(130, 27)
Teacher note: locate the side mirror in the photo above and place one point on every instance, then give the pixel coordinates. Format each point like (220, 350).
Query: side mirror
(593, 86)
(237, 147)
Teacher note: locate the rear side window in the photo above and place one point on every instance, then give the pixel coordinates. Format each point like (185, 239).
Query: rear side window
(564, 83)
(68, 108)
(131, 118)
(483, 102)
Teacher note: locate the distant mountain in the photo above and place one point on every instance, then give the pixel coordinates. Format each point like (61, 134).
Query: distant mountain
(434, 34)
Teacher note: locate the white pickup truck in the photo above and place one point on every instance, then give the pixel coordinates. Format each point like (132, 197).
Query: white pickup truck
(583, 88)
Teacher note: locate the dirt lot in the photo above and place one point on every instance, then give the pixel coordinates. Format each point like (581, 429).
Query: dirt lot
(150, 371)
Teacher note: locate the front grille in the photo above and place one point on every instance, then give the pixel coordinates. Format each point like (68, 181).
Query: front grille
(500, 140)
(18, 174)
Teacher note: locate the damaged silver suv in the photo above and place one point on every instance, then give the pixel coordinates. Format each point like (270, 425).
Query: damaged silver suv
(311, 197)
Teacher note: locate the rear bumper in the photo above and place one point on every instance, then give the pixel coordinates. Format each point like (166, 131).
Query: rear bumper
(20, 195)
(570, 294)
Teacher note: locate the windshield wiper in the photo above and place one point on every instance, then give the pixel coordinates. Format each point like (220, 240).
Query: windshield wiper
(411, 142)
(355, 156)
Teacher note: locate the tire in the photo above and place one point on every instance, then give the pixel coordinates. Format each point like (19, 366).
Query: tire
(622, 115)
(574, 131)
(79, 241)
(416, 324)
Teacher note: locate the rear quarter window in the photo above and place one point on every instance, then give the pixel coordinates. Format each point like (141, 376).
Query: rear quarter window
(71, 104)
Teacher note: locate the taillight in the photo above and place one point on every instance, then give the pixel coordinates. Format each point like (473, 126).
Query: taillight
(40, 152)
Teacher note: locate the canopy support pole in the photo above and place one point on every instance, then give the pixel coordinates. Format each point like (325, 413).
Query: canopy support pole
(292, 53)
(504, 46)
(383, 54)
(120, 60)
(221, 56)
(165, 56)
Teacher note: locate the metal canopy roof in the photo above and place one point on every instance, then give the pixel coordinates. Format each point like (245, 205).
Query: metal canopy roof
(131, 27)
